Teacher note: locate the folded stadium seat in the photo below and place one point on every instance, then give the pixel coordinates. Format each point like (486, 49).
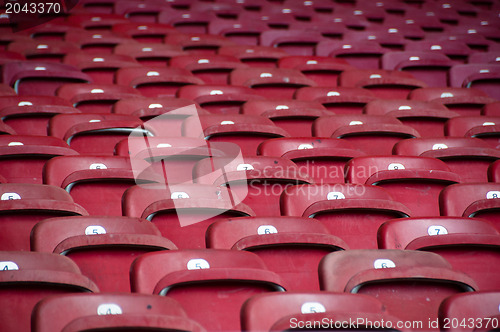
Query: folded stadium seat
(271, 82)
(467, 157)
(318, 310)
(414, 20)
(290, 246)
(243, 32)
(152, 33)
(96, 22)
(155, 81)
(372, 134)
(322, 24)
(95, 182)
(282, 16)
(392, 40)
(182, 212)
(173, 157)
(28, 277)
(223, 10)
(8, 37)
(101, 68)
(456, 50)
(149, 54)
(322, 70)
(353, 212)
(100, 42)
(484, 77)
(480, 308)
(483, 127)
(54, 29)
(258, 181)
(187, 21)
(294, 116)
(363, 56)
(176, 274)
(340, 100)
(219, 99)
(411, 284)
(30, 119)
(414, 181)
(485, 57)
(471, 200)
(141, 12)
(23, 156)
(475, 42)
(294, 42)
(43, 50)
(477, 26)
(470, 245)
(365, 13)
(40, 78)
(102, 247)
(97, 6)
(248, 131)
(429, 67)
(95, 98)
(23, 205)
(198, 43)
(427, 117)
(212, 69)
(254, 56)
(167, 112)
(321, 158)
(111, 311)
(29, 114)
(464, 101)
(385, 84)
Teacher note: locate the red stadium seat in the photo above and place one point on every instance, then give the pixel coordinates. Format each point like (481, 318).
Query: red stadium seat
(340, 100)
(426, 117)
(247, 131)
(411, 284)
(254, 56)
(182, 212)
(258, 181)
(289, 310)
(481, 308)
(102, 247)
(271, 82)
(95, 182)
(467, 157)
(149, 54)
(95, 134)
(294, 116)
(212, 69)
(28, 277)
(322, 158)
(414, 181)
(219, 99)
(373, 134)
(464, 101)
(290, 246)
(294, 42)
(95, 98)
(461, 241)
(471, 200)
(196, 278)
(352, 212)
(111, 311)
(484, 77)
(40, 78)
(23, 205)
